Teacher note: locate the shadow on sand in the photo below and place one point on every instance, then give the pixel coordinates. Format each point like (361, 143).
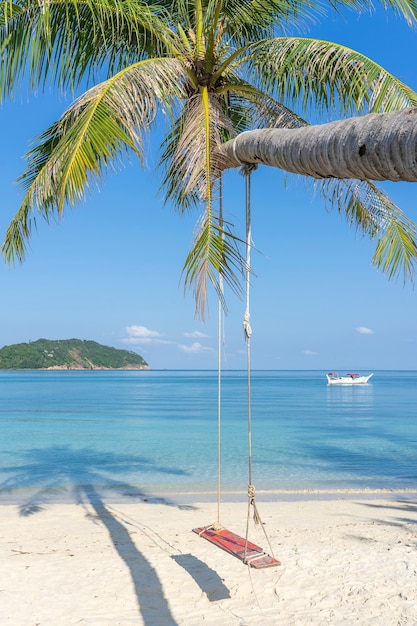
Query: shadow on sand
(206, 578)
(58, 472)
(403, 507)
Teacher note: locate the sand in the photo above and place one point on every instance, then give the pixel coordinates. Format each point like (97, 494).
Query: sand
(343, 561)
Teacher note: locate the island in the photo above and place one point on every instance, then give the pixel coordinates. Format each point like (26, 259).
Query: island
(68, 354)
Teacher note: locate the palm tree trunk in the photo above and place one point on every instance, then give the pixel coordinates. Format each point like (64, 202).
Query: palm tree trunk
(378, 146)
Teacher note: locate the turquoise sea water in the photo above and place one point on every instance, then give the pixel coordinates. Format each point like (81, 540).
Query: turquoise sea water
(141, 434)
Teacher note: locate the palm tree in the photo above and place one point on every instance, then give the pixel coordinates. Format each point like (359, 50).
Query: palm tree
(208, 69)
(373, 147)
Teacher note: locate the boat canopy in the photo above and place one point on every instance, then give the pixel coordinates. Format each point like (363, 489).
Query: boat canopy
(336, 375)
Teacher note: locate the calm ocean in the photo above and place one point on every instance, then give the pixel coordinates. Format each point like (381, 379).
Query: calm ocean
(126, 434)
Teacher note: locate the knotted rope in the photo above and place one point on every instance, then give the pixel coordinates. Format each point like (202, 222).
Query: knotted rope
(246, 170)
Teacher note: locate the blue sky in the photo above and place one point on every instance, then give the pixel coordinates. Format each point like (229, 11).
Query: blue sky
(110, 271)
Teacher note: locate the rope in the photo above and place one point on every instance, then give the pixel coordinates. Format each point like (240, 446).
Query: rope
(219, 377)
(219, 364)
(246, 319)
(246, 171)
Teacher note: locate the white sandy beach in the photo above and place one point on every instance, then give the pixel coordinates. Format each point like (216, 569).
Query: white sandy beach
(343, 561)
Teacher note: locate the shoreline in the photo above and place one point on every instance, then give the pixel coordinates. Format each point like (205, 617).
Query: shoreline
(52, 497)
(342, 561)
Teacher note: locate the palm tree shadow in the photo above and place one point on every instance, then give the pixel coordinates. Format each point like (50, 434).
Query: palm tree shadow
(151, 600)
(59, 471)
(406, 507)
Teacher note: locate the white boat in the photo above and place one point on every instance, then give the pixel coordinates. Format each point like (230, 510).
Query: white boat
(333, 378)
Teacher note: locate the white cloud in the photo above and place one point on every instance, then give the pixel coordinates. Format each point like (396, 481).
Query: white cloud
(139, 335)
(141, 332)
(196, 334)
(364, 331)
(195, 348)
(310, 353)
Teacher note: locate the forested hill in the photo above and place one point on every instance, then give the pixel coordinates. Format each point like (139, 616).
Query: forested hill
(71, 354)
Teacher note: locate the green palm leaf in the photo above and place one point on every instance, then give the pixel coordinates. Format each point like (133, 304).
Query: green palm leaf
(321, 75)
(369, 209)
(70, 40)
(214, 251)
(188, 165)
(102, 125)
(215, 254)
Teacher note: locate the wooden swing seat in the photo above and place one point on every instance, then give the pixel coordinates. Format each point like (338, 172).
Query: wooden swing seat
(245, 551)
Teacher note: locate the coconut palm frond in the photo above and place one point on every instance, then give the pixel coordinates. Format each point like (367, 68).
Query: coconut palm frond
(67, 41)
(188, 149)
(396, 251)
(252, 20)
(322, 75)
(262, 110)
(15, 243)
(240, 114)
(171, 182)
(404, 8)
(273, 114)
(102, 125)
(215, 253)
(248, 107)
(369, 209)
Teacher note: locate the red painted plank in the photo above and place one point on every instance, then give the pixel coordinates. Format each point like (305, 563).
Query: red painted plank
(246, 551)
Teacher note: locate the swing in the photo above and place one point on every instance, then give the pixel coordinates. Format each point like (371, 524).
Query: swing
(240, 547)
